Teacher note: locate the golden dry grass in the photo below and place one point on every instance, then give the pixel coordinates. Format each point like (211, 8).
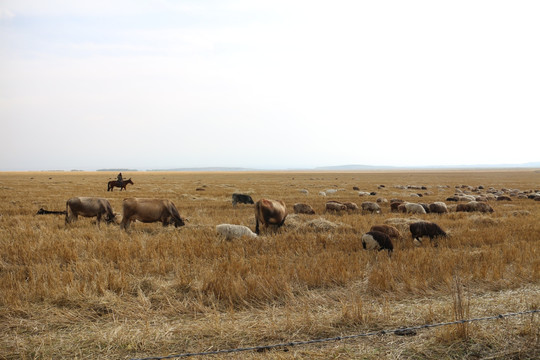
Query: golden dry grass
(81, 292)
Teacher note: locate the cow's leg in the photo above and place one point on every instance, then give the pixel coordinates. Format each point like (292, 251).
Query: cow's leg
(256, 225)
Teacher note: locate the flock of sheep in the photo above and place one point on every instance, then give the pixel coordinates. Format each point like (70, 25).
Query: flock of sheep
(380, 237)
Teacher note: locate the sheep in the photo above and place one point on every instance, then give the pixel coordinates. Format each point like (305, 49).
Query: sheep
(389, 230)
(411, 208)
(369, 206)
(426, 228)
(351, 206)
(230, 231)
(303, 209)
(474, 206)
(335, 206)
(376, 240)
(438, 207)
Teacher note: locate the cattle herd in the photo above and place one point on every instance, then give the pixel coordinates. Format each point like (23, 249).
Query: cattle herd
(274, 212)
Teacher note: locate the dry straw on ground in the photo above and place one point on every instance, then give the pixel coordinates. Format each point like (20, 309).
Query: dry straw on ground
(77, 291)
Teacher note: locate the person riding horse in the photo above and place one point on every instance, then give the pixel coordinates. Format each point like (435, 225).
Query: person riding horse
(120, 179)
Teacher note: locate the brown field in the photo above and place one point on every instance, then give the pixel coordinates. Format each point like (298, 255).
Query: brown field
(80, 292)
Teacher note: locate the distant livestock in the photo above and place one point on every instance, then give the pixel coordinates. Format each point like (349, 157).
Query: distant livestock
(426, 228)
(411, 208)
(369, 206)
(269, 212)
(230, 231)
(335, 206)
(503, 198)
(376, 240)
(89, 207)
(351, 206)
(42, 211)
(438, 207)
(241, 199)
(150, 210)
(389, 230)
(303, 209)
(394, 204)
(473, 206)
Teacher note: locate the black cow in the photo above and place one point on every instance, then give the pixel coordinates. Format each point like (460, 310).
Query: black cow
(241, 199)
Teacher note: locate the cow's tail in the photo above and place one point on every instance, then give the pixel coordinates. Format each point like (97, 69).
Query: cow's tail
(68, 212)
(257, 211)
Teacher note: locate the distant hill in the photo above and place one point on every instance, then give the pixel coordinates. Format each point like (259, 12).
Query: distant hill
(355, 167)
(205, 169)
(478, 166)
(120, 170)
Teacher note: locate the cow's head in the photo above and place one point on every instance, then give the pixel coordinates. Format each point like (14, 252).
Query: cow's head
(178, 222)
(110, 218)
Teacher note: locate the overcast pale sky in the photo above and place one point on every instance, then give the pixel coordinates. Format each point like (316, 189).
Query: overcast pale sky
(267, 84)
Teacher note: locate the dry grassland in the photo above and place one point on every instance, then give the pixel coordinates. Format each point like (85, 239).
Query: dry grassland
(81, 292)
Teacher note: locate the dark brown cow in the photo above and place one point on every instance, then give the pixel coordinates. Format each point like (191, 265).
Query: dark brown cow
(89, 207)
(269, 212)
(150, 210)
(389, 230)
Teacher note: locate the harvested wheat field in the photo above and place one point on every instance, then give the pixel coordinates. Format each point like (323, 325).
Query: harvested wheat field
(82, 292)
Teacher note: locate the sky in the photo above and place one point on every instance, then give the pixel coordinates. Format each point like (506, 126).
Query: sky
(275, 84)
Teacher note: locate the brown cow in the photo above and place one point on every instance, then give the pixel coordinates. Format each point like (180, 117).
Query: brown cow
(150, 210)
(89, 207)
(269, 212)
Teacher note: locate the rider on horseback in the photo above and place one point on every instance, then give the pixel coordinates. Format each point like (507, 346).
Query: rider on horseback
(120, 179)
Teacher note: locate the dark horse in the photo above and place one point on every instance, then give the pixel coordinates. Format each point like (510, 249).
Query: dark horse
(111, 184)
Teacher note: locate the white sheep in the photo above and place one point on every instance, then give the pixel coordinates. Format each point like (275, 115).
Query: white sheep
(230, 231)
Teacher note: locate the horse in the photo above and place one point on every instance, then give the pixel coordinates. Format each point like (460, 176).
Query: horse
(111, 184)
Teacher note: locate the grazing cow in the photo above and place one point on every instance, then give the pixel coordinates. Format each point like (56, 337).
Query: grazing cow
(335, 206)
(376, 240)
(369, 206)
(42, 211)
(474, 206)
(426, 228)
(303, 209)
(241, 199)
(269, 212)
(150, 210)
(230, 231)
(389, 230)
(438, 207)
(89, 207)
